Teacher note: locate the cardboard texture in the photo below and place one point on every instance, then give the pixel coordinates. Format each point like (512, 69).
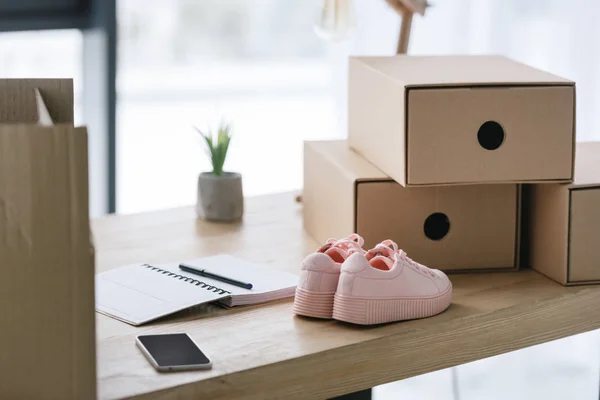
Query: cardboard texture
(344, 193)
(46, 255)
(447, 120)
(564, 223)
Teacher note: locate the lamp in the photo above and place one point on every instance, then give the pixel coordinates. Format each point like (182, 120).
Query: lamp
(406, 9)
(336, 20)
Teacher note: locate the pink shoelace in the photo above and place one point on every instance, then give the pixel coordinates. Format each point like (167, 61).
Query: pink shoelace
(352, 244)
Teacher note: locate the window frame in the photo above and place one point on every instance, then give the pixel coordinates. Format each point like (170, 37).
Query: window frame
(96, 19)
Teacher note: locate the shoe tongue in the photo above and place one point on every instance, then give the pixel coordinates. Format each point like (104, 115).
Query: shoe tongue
(382, 251)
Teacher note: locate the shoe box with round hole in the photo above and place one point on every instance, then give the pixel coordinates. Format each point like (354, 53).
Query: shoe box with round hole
(448, 120)
(453, 228)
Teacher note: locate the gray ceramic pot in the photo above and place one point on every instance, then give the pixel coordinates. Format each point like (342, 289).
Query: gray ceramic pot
(220, 198)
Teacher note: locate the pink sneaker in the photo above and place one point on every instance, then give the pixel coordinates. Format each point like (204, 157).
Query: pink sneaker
(320, 274)
(384, 285)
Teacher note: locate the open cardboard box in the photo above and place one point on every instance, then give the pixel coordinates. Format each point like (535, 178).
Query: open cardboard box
(46, 252)
(444, 120)
(454, 228)
(564, 223)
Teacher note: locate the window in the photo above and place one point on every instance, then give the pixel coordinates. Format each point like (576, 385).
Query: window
(188, 63)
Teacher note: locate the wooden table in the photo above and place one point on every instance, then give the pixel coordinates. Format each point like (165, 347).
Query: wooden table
(265, 351)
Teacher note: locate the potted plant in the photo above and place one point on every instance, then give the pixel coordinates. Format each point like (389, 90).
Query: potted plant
(220, 196)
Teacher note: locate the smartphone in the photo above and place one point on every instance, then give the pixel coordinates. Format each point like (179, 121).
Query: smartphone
(172, 352)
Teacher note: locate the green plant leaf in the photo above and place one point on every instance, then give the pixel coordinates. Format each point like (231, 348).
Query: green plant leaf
(217, 150)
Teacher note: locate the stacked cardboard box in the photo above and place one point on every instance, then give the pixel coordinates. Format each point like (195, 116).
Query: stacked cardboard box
(437, 154)
(563, 223)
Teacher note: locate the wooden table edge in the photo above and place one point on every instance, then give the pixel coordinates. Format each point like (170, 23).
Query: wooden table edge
(407, 354)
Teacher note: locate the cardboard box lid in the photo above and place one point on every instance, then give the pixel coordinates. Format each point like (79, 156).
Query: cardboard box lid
(587, 165)
(417, 71)
(354, 166)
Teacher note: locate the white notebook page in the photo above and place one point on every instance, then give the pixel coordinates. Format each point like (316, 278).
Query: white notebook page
(140, 293)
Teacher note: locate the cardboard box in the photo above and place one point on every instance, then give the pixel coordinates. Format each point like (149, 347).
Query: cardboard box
(47, 339)
(448, 120)
(564, 223)
(473, 227)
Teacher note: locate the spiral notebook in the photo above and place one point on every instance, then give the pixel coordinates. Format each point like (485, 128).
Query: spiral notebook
(141, 293)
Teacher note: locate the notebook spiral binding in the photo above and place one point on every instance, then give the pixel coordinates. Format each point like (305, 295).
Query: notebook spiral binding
(193, 281)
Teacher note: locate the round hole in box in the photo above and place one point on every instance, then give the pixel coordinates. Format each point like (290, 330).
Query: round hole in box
(436, 226)
(490, 135)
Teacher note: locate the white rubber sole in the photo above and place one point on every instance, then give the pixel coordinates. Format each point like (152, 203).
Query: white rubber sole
(371, 312)
(313, 304)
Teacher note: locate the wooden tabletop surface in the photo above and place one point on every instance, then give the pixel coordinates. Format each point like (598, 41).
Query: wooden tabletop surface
(265, 351)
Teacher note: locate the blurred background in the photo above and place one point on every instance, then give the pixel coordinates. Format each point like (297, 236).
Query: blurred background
(260, 65)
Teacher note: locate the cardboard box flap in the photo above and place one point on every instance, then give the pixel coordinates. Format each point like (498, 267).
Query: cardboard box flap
(44, 117)
(350, 163)
(440, 71)
(587, 165)
(18, 101)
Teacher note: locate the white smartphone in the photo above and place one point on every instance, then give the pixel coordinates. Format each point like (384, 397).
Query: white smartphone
(172, 352)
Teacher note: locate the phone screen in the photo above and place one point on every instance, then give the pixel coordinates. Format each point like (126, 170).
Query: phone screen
(173, 350)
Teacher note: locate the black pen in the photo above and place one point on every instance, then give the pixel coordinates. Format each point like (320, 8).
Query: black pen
(205, 273)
